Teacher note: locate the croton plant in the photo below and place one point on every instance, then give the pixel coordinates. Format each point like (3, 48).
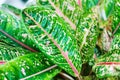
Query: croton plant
(61, 40)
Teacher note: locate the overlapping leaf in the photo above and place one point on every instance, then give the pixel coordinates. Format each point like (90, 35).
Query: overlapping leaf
(109, 63)
(8, 52)
(47, 32)
(13, 28)
(35, 38)
(86, 24)
(69, 10)
(26, 67)
(25, 61)
(116, 15)
(59, 31)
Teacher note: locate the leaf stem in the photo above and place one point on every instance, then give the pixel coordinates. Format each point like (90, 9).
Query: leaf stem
(116, 29)
(109, 63)
(59, 12)
(38, 73)
(2, 62)
(66, 75)
(22, 44)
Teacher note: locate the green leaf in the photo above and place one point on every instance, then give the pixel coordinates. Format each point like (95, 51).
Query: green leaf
(8, 52)
(106, 8)
(108, 64)
(116, 15)
(87, 34)
(13, 28)
(116, 42)
(7, 40)
(86, 24)
(69, 10)
(12, 8)
(54, 37)
(27, 65)
(44, 3)
(36, 39)
(88, 4)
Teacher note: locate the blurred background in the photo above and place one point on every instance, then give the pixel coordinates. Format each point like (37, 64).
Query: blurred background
(21, 4)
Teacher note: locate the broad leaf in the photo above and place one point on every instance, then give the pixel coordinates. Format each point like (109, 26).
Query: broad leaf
(27, 67)
(85, 23)
(109, 64)
(69, 10)
(7, 40)
(36, 38)
(8, 52)
(53, 36)
(13, 28)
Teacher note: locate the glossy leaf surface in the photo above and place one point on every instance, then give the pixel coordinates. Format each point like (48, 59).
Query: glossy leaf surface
(59, 31)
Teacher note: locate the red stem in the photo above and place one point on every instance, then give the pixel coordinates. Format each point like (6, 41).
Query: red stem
(109, 63)
(2, 62)
(80, 3)
(22, 44)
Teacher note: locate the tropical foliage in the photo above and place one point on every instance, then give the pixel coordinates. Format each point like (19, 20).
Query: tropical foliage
(75, 39)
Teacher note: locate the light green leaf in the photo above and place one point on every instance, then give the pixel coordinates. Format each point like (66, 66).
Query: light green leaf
(27, 65)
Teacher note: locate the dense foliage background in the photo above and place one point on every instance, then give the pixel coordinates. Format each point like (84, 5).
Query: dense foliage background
(60, 40)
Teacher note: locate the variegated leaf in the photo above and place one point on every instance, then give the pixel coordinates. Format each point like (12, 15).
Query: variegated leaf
(116, 17)
(36, 38)
(88, 4)
(54, 32)
(85, 23)
(87, 34)
(8, 52)
(11, 27)
(69, 10)
(116, 42)
(109, 64)
(28, 67)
